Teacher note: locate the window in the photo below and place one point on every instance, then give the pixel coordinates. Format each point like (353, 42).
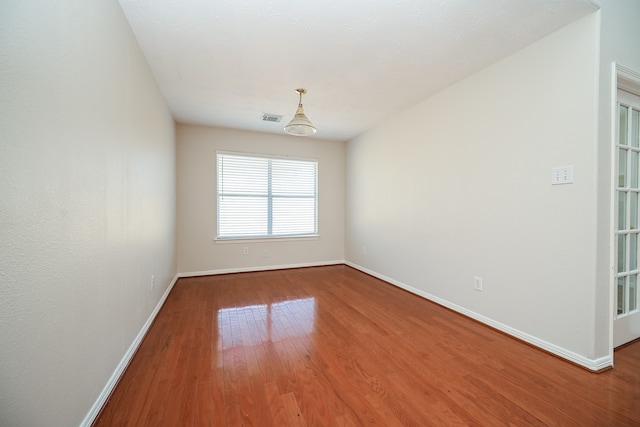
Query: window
(261, 196)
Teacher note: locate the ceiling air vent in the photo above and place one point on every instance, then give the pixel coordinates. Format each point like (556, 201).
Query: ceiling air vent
(271, 117)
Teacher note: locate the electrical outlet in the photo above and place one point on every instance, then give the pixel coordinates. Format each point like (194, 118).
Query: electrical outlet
(245, 251)
(265, 253)
(364, 250)
(153, 281)
(477, 283)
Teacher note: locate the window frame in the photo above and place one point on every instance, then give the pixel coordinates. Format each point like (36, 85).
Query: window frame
(280, 237)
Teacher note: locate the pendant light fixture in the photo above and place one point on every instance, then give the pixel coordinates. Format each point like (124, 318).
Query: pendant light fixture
(300, 125)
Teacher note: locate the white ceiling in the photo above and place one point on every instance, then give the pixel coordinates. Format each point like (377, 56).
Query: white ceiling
(226, 62)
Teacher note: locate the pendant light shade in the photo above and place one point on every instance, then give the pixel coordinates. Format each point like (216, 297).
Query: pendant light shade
(300, 125)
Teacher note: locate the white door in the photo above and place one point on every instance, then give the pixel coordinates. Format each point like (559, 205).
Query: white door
(626, 325)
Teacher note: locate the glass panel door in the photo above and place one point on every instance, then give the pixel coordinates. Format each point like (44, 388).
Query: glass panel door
(627, 195)
(626, 206)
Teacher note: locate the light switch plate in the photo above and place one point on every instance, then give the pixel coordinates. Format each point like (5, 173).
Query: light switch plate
(562, 175)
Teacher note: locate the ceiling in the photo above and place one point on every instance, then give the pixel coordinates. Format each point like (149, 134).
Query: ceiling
(227, 62)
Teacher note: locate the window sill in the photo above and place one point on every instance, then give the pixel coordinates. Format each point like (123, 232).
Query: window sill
(219, 241)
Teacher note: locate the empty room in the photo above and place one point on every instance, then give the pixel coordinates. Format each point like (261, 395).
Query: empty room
(272, 213)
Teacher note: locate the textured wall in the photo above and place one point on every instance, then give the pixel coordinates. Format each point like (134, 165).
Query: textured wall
(196, 180)
(88, 201)
(460, 186)
(619, 38)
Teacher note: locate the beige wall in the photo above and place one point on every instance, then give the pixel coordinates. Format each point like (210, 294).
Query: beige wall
(620, 34)
(196, 183)
(460, 186)
(87, 216)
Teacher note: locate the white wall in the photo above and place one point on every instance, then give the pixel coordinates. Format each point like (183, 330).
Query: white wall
(460, 186)
(87, 165)
(620, 35)
(196, 181)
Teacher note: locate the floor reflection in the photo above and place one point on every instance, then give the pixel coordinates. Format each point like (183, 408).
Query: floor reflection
(266, 323)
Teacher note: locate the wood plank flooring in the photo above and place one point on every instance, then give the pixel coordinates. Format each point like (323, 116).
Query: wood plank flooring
(331, 346)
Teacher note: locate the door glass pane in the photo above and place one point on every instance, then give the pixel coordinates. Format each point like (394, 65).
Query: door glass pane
(621, 293)
(622, 253)
(622, 210)
(633, 251)
(635, 128)
(633, 172)
(622, 137)
(633, 287)
(622, 168)
(633, 211)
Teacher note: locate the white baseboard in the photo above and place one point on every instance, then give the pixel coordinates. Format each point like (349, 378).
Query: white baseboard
(591, 364)
(115, 377)
(261, 268)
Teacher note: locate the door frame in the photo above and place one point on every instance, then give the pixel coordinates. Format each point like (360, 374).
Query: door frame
(629, 81)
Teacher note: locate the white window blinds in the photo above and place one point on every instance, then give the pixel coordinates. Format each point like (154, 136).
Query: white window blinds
(266, 197)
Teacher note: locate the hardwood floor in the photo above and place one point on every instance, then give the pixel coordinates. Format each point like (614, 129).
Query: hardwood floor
(333, 346)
